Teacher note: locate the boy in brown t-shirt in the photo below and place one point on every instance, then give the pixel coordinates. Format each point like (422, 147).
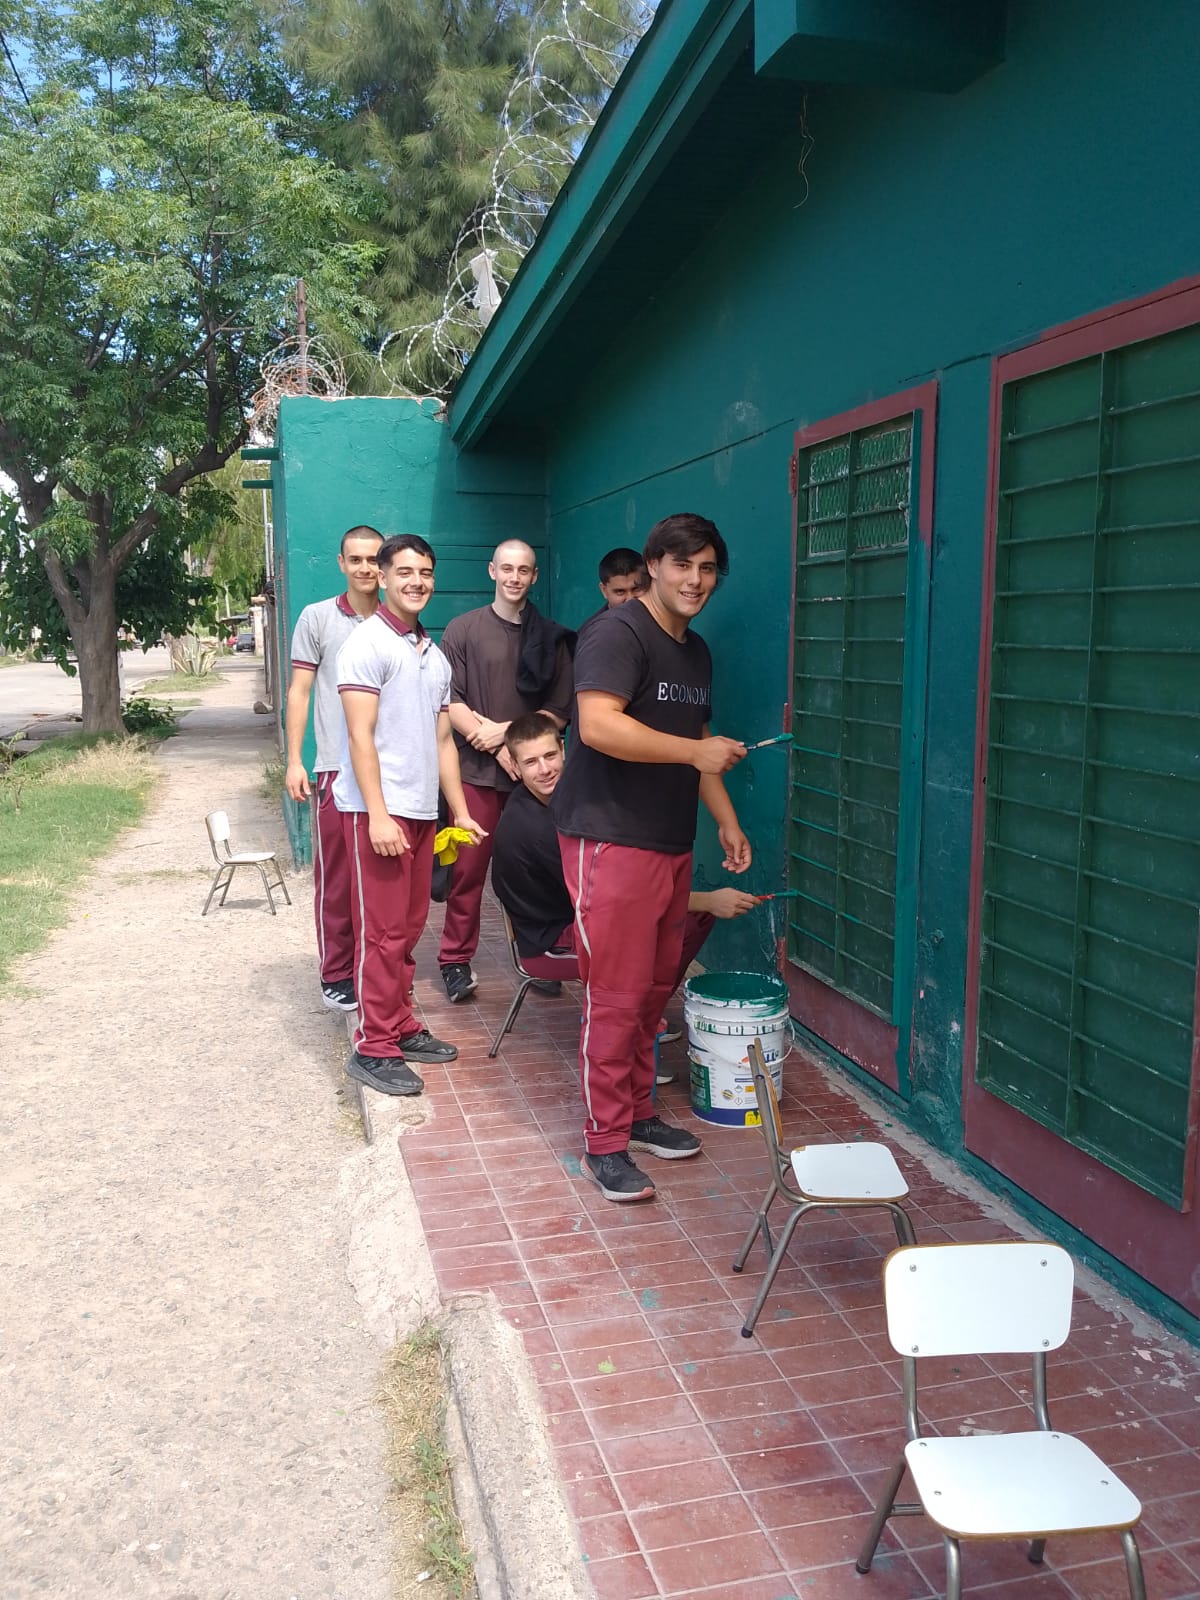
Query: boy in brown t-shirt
(487, 650)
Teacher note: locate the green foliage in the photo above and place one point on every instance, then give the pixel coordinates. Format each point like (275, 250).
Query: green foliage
(409, 94)
(154, 213)
(148, 717)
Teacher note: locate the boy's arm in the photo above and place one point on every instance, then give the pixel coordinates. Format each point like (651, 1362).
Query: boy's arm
(450, 778)
(605, 725)
(299, 697)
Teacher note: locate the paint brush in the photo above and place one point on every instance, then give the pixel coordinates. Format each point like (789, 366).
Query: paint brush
(778, 738)
(781, 894)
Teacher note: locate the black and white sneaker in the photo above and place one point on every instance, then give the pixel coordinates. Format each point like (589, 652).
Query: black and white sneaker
(386, 1074)
(659, 1138)
(617, 1176)
(663, 1074)
(460, 981)
(339, 996)
(422, 1046)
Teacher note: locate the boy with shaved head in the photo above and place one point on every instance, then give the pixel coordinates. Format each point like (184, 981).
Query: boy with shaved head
(506, 660)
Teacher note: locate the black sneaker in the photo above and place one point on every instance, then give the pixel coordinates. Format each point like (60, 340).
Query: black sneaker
(550, 987)
(663, 1074)
(422, 1046)
(460, 981)
(617, 1176)
(661, 1139)
(387, 1074)
(339, 996)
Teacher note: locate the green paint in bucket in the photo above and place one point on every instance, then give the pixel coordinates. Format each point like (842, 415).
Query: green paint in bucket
(725, 1012)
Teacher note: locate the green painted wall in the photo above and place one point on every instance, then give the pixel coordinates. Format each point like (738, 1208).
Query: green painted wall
(938, 231)
(390, 464)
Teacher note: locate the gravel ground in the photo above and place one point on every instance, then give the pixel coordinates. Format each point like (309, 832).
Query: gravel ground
(187, 1376)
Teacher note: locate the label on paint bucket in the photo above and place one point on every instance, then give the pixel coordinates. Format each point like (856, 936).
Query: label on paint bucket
(724, 1012)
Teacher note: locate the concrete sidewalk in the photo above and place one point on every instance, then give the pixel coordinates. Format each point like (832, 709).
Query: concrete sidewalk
(197, 1303)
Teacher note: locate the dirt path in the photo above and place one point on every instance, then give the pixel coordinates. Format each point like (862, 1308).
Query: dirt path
(187, 1379)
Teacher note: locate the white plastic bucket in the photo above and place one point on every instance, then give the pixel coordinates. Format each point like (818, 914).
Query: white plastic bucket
(725, 1012)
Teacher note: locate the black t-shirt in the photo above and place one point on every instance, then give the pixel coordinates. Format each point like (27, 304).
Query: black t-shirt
(527, 873)
(667, 684)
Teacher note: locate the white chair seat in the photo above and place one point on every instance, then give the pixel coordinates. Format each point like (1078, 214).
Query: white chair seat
(848, 1172)
(1018, 1485)
(250, 858)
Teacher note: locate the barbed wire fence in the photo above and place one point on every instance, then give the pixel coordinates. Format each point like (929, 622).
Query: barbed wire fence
(544, 123)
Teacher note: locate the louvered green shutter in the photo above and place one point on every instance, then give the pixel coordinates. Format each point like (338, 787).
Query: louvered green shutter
(853, 799)
(1091, 882)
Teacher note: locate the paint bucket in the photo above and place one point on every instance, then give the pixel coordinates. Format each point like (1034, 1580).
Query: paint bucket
(725, 1012)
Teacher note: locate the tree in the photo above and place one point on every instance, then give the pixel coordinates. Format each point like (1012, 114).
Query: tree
(154, 214)
(437, 103)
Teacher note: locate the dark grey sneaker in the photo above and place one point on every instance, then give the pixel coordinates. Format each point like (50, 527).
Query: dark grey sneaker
(550, 987)
(339, 996)
(618, 1178)
(386, 1074)
(659, 1138)
(422, 1046)
(460, 981)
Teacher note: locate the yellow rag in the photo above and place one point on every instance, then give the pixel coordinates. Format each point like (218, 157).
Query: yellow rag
(446, 844)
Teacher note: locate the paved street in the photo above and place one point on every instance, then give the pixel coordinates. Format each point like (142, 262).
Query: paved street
(39, 689)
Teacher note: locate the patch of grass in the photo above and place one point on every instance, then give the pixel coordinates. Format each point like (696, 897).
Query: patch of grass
(428, 1529)
(59, 809)
(270, 785)
(176, 682)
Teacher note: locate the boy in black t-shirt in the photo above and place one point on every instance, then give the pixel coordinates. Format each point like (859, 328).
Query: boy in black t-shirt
(626, 815)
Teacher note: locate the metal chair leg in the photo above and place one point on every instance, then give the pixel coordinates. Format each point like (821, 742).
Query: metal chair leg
(262, 872)
(882, 1512)
(279, 883)
(953, 1568)
(518, 998)
(785, 1238)
(1037, 1551)
(1133, 1566)
(213, 889)
(225, 890)
(759, 1225)
(903, 1225)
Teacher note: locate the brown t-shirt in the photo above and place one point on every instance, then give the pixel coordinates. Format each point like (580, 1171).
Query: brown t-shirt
(482, 650)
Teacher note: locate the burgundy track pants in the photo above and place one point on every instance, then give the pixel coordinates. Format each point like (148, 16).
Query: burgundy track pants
(389, 901)
(562, 962)
(331, 885)
(460, 931)
(630, 907)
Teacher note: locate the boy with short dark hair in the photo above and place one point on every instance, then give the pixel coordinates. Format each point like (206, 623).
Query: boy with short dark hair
(398, 750)
(626, 814)
(321, 631)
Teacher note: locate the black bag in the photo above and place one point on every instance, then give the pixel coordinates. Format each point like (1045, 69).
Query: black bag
(439, 889)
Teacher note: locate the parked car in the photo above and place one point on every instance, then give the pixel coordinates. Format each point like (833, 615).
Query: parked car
(244, 643)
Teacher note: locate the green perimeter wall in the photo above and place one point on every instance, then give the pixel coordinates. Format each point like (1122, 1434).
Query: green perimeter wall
(390, 464)
(939, 231)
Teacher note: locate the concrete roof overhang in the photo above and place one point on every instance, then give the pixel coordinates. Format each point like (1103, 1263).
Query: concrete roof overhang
(711, 86)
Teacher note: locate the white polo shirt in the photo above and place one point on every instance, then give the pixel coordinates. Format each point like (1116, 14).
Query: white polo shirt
(321, 631)
(411, 676)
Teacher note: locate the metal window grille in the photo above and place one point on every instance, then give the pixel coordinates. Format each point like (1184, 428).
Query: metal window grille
(847, 799)
(1091, 880)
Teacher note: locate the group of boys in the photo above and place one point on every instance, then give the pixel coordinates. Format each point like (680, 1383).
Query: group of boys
(592, 855)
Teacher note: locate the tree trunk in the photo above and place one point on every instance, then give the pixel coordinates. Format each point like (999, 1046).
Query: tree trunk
(96, 650)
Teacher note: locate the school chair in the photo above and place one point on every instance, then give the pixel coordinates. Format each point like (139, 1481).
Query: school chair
(217, 823)
(561, 967)
(816, 1177)
(1005, 1298)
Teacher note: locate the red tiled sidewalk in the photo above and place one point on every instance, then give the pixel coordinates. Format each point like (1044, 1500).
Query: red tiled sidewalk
(702, 1464)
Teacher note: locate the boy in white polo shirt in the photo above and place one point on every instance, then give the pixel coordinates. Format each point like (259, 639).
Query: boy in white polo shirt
(395, 688)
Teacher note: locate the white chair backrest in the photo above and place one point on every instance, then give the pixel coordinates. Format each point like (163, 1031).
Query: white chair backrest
(217, 823)
(975, 1299)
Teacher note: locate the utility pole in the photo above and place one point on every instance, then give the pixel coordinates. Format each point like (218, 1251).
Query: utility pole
(302, 327)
